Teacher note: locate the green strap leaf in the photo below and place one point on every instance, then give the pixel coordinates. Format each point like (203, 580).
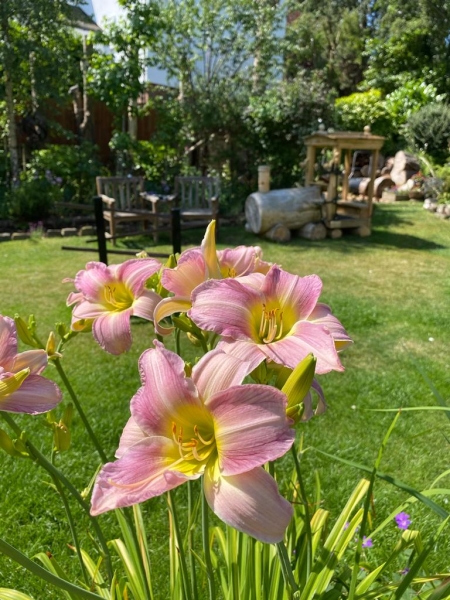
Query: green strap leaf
(396, 482)
(42, 573)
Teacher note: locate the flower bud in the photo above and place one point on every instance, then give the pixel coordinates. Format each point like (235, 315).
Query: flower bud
(193, 339)
(297, 386)
(8, 445)
(50, 347)
(61, 437)
(24, 333)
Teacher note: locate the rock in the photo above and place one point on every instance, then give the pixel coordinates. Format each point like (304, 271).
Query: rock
(405, 166)
(20, 235)
(69, 231)
(87, 230)
(5, 237)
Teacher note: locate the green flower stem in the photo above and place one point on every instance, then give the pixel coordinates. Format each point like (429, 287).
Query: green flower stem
(191, 537)
(72, 529)
(179, 544)
(207, 549)
(177, 341)
(83, 417)
(307, 514)
(39, 571)
(56, 473)
(286, 568)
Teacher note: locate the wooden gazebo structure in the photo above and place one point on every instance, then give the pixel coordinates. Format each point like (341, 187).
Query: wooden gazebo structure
(342, 213)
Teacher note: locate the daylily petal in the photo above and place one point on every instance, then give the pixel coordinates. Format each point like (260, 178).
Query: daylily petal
(251, 427)
(113, 332)
(73, 297)
(145, 305)
(35, 360)
(36, 395)
(299, 293)
(92, 281)
(305, 338)
(88, 310)
(224, 307)
(322, 316)
(165, 388)
(134, 273)
(218, 371)
(131, 434)
(247, 351)
(188, 274)
(140, 474)
(241, 261)
(249, 502)
(8, 342)
(168, 307)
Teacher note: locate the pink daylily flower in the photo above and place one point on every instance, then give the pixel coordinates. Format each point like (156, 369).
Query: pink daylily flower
(275, 318)
(108, 296)
(22, 388)
(198, 265)
(206, 425)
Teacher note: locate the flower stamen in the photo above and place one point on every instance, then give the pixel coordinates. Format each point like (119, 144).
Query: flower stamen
(203, 441)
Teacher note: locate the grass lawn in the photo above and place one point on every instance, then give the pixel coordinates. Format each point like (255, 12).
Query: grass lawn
(390, 290)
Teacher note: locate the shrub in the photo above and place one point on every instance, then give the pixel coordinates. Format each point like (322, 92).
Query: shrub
(33, 200)
(429, 130)
(157, 162)
(356, 111)
(73, 168)
(276, 123)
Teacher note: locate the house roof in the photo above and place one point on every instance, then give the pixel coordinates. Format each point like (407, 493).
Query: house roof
(81, 20)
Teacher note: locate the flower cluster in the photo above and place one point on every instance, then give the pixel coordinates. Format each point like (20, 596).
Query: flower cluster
(204, 421)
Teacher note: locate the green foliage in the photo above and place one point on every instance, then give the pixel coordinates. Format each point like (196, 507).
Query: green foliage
(356, 111)
(410, 39)
(429, 130)
(277, 121)
(72, 167)
(32, 200)
(328, 41)
(157, 162)
(408, 98)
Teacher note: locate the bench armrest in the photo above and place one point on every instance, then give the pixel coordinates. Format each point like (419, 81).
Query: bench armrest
(110, 202)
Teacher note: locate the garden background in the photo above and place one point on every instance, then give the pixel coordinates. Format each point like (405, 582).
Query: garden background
(250, 80)
(244, 97)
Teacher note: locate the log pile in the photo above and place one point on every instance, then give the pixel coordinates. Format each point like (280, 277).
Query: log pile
(274, 214)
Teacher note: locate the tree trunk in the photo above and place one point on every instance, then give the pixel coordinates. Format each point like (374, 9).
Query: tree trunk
(9, 97)
(11, 126)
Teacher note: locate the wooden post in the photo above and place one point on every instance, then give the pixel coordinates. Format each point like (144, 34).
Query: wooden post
(347, 167)
(176, 230)
(310, 163)
(100, 226)
(373, 171)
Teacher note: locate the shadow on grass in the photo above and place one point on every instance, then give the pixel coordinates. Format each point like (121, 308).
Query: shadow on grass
(387, 220)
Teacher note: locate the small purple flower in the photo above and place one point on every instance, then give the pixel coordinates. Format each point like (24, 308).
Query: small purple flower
(367, 542)
(347, 525)
(404, 571)
(403, 520)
